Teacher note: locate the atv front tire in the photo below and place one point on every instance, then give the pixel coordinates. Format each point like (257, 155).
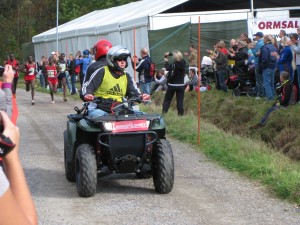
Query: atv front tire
(69, 166)
(163, 167)
(86, 170)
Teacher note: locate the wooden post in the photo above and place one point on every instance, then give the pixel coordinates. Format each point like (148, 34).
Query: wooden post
(199, 82)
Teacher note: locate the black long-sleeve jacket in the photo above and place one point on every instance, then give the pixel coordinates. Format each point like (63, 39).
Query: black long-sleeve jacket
(286, 93)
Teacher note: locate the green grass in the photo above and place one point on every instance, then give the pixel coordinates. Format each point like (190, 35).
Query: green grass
(245, 153)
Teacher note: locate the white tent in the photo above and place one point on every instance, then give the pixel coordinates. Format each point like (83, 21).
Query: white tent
(115, 24)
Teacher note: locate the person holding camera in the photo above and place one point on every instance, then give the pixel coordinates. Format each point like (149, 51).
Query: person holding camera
(175, 81)
(221, 61)
(16, 204)
(143, 68)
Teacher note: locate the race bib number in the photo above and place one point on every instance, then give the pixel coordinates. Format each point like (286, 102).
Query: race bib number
(62, 67)
(50, 73)
(31, 72)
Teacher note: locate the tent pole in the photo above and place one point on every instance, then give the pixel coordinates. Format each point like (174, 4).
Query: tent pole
(252, 11)
(199, 82)
(57, 6)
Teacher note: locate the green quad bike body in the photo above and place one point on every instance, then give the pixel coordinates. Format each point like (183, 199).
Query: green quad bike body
(124, 141)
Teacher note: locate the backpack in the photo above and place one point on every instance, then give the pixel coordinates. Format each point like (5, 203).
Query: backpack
(170, 73)
(152, 69)
(77, 69)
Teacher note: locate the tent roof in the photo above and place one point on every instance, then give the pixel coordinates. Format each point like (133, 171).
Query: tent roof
(213, 5)
(136, 14)
(109, 20)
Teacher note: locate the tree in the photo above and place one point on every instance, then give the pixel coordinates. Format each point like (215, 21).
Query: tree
(22, 19)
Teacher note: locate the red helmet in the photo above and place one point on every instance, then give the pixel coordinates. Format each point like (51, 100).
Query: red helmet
(101, 48)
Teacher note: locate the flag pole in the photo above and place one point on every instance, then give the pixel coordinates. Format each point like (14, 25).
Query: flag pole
(199, 82)
(134, 54)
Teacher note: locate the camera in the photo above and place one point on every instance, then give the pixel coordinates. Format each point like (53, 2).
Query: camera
(6, 144)
(168, 54)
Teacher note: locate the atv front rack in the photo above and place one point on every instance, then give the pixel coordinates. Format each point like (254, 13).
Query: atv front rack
(125, 117)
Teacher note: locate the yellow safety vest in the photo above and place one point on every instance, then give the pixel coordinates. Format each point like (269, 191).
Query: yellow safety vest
(111, 87)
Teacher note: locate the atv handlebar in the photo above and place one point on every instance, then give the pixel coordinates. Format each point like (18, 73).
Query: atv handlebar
(125, 105)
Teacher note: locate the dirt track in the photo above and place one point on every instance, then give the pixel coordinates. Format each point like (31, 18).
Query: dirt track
(203, 192)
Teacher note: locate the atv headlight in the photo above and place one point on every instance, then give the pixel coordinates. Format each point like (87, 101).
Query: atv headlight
(156, 123)
(108, 126)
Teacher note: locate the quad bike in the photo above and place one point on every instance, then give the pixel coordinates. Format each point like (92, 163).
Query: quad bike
(123, 141)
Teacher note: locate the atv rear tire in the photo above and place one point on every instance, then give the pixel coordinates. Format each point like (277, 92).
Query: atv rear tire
(163, 167)
(86, 170)
(69, 166)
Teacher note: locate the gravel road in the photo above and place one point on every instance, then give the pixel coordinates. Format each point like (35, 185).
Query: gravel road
(203, 193)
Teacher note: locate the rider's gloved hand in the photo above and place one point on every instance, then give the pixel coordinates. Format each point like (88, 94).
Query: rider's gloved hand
(88, 97)
(145, 97)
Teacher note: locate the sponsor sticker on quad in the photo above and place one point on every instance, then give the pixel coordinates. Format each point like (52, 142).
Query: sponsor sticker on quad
(126, 126)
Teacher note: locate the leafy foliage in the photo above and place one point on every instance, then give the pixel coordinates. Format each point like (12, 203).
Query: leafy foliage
(22, 19)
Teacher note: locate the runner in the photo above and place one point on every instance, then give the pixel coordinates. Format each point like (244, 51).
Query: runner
(30, 72)
(51, 71)
(15, 66)
(62, 78)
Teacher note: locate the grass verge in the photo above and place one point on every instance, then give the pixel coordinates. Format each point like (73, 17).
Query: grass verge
(249, 157)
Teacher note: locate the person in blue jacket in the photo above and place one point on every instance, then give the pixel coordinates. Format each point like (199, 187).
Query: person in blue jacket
(285, 57)
(258, 73)
(267, 64)
(84, 62)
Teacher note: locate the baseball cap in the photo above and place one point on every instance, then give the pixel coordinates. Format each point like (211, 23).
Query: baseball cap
(52, 53)
(259, 34)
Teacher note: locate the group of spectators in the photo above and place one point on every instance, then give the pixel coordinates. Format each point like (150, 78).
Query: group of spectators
(267, 55)
(264, 53)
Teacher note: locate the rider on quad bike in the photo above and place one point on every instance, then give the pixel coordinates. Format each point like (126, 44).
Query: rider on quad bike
(111, 83)
(112, 137)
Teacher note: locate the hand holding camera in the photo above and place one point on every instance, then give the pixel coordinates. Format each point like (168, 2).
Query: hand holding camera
(9, 134)
(168, 54)
(8, 74)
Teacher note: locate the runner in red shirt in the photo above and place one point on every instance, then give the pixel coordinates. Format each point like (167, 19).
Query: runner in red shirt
(29, 69)
(51, 71)
(15, 66)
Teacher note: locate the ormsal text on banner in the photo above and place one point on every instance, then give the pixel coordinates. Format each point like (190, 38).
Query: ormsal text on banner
(273, 27)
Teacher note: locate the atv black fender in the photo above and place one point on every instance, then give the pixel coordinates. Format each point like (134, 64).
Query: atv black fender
(72, 130)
